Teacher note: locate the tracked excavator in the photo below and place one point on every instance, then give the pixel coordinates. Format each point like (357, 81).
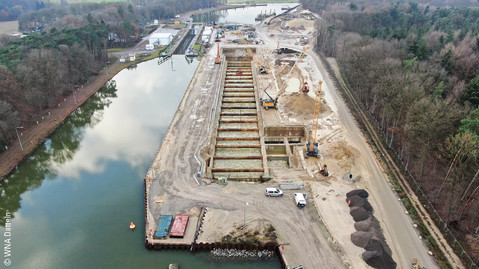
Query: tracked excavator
(271, 102)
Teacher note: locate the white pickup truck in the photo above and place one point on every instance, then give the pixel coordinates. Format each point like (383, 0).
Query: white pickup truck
(300, 200)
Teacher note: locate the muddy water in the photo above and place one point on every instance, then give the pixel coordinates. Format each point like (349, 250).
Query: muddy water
(238, 152)
(238, 134)
(72, 200)
(238, 142)
(278, 163)
(238, 125)
(236, 164)
(276, 151)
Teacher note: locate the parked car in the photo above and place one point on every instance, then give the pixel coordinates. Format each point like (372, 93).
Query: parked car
(273, 192)
(300, 200)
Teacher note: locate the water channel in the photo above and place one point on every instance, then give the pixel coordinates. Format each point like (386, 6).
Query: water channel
(244, 15)
(72, 200)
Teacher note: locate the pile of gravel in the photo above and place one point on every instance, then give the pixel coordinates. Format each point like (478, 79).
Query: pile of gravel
(368, 233)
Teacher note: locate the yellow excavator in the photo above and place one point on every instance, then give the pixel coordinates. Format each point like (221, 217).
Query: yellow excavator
(271, 102)
(415, 264)
(312, 148)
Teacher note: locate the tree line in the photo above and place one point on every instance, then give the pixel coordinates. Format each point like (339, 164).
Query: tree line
(415, 68)
(40, 68)
(10, 10)
(68, 47)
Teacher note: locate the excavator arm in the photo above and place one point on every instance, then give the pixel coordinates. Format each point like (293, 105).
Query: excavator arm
(290, 74)
(262, 69)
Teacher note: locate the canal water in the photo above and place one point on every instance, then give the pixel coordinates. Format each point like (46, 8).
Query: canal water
(245, 15)
(72, 200)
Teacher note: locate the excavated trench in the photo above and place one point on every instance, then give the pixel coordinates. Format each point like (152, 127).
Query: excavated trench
(238, 149)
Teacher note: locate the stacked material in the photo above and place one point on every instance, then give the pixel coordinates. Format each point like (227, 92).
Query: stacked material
(164, 223)
(368, 233)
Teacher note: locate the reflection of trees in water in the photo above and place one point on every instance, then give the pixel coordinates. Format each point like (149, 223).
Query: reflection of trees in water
(208, 16)
(61, 147)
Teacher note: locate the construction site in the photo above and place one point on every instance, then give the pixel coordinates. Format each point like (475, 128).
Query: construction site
(262, 112)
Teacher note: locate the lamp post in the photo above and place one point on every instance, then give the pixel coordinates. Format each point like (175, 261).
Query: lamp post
(244, 215)
(19, 141)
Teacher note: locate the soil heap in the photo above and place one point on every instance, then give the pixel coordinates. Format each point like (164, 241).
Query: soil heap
(368, 233)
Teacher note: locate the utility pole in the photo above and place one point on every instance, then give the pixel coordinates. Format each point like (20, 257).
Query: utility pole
(244, 215)
(19, 140)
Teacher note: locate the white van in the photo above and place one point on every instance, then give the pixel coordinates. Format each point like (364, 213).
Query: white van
(273, 192)
(300, 200)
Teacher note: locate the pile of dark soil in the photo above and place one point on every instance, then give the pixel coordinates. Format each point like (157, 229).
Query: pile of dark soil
(368, 233)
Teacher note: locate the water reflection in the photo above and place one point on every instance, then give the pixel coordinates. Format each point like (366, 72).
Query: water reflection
(57, 150)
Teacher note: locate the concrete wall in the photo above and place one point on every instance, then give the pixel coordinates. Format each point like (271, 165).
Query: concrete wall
(284, 131)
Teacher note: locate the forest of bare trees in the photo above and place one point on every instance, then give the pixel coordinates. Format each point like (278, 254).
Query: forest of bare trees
(415, 68)
(66, 48)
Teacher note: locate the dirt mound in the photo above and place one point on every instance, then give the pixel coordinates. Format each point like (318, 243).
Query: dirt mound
(360, 202)
(364, 225)
(368, 233)
(298, 103)
(360, 192)
(361, 239)
(359, 213)
(379, 259)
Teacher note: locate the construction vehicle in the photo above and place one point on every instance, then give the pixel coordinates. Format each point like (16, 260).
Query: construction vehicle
(324, 171)
(218, 60)
(415, 264)
(305, 88)
(262, 69)
(272, 102)
(219, 34)
(312, 145)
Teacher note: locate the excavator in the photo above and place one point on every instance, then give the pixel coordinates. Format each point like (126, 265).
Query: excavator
(262, 69)
(312, 149)
(415, 264)
(271, 102)
(305, 88)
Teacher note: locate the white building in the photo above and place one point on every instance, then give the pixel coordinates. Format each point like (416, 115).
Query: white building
(160, 39)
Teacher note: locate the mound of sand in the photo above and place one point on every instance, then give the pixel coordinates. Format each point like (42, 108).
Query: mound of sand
(300, 23)
(299, 103)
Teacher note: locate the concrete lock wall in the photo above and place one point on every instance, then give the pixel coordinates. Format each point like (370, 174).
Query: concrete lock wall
(284, 131)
